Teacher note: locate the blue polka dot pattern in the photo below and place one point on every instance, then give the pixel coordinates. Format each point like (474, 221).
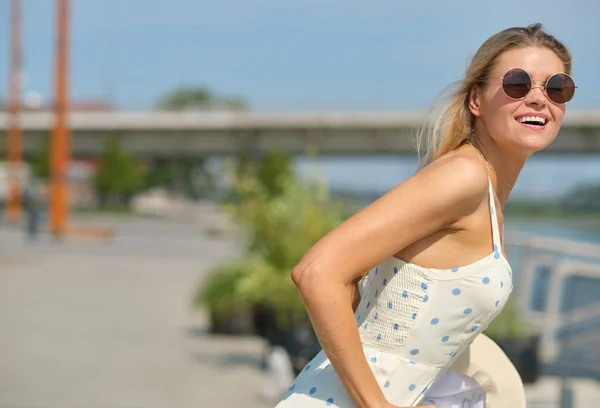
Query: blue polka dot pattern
(307, 368)
(292, 387)
(312, 390)
(472, 295)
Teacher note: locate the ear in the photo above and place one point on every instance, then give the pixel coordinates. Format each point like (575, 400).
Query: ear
(474, 100)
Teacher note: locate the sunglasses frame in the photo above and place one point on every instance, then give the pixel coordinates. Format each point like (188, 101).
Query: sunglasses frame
(532, 85)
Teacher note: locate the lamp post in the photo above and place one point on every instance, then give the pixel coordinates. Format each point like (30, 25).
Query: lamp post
(60, 156)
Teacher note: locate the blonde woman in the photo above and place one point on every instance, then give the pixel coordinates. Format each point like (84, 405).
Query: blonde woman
(432, 246)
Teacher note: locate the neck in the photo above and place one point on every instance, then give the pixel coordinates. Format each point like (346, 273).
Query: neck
(506, 167)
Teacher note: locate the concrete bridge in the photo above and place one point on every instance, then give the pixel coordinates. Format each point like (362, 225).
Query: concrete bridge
(195, 134)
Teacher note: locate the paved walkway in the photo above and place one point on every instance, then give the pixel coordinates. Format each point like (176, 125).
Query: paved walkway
(110, 325)
(91, 324)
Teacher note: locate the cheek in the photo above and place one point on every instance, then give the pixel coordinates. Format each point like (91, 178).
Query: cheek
(558, 112)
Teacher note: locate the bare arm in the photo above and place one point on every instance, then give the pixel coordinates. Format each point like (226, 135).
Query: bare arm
(326, 277)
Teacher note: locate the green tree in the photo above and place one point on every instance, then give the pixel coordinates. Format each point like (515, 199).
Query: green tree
(118, 177)
(41, 160)
(188, 97)
(188, 177)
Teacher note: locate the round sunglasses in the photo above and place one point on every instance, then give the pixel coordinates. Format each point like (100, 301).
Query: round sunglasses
(517, 84)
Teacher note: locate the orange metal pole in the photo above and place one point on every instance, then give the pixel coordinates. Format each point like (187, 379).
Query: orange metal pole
(13, 200)
(60, 136)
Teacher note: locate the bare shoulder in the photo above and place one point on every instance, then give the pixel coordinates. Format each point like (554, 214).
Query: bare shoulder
(437, 197)
(458, 179)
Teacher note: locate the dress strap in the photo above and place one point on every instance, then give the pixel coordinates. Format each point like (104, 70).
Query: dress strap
(494, 217)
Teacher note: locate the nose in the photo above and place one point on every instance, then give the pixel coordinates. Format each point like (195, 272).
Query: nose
(536, 95)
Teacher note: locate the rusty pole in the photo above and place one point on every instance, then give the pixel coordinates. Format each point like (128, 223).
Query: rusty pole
(60, 156)
(13, 199)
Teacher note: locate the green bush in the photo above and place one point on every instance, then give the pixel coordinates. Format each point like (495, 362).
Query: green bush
(119, 175)
(280, 219)
(218, 291)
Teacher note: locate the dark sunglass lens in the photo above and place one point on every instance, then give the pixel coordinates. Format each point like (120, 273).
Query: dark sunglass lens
(516, 83)
(560, 88)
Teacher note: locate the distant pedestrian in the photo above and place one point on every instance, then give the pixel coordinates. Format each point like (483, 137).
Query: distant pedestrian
(32, 205)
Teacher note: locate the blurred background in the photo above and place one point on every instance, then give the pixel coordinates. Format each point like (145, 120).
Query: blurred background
(165, 164)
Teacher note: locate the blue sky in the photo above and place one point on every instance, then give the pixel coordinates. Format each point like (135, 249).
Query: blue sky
(288, 55)
(304, 55)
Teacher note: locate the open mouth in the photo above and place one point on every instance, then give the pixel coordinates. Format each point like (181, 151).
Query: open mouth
(535, 122)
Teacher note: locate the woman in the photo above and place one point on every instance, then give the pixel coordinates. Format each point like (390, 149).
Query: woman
(432, 246)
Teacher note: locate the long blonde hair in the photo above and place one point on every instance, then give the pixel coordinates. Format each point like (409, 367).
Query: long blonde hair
(449, 127)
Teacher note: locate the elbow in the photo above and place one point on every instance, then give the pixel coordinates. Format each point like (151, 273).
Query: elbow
(304, 275)
(298, 275)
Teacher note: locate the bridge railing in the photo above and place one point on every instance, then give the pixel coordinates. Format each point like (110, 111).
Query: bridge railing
(558, 288)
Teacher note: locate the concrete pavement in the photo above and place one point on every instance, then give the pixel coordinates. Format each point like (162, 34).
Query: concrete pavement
(95, 324)
(110, 325)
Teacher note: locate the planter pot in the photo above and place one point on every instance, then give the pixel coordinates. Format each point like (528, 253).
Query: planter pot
(299, 340)
(233, 323)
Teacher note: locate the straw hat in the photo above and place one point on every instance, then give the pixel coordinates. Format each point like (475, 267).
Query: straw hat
(485, 362)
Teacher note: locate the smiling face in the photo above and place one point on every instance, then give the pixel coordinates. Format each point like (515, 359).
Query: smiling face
(526, 125)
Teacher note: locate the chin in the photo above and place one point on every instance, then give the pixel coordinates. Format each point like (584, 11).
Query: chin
(534, 138)
(531, 144)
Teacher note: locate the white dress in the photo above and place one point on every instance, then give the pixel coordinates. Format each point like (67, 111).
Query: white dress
(413, 321)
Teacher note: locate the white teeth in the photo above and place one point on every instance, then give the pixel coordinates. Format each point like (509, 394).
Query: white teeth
(535, 119)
